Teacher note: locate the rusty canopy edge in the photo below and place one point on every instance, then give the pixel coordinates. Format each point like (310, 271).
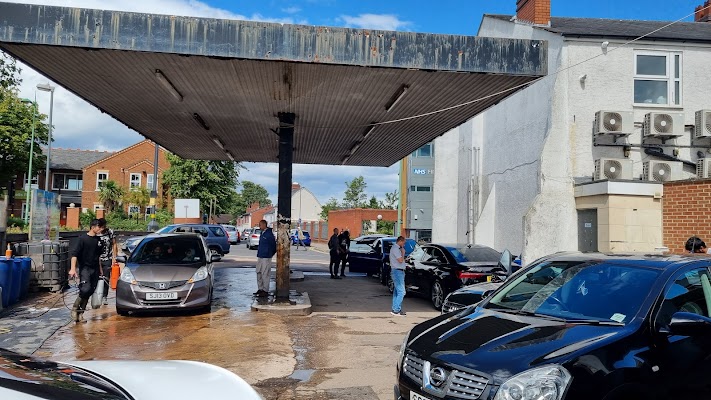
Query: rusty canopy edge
(119, 30)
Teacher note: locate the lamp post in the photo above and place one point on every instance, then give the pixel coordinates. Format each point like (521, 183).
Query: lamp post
(46, 87)
(28, 188)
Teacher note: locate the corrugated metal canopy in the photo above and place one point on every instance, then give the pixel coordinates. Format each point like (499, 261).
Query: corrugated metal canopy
(238, 75)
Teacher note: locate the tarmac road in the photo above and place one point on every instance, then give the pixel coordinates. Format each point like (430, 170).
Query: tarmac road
(347, 349)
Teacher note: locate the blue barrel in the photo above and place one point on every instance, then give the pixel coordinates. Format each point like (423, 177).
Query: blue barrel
(6, 279)
(16, 281)
(25, 280)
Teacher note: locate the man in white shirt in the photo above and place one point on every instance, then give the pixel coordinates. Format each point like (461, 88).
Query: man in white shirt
(397, 274)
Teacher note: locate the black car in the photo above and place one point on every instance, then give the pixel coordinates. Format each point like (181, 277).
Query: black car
(435, 270)
(572, 327)
(370, 255)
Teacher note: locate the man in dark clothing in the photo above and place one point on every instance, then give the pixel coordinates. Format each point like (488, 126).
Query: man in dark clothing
(109, 248)
(333, 249)
(344, 243)
(86, 267)
(265, 252)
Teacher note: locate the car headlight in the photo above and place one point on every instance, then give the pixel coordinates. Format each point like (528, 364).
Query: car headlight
(548, 382)
(127, 276)
(199, 275)
(403, 347)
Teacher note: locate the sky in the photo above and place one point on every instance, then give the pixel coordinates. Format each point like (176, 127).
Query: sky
(79, 125)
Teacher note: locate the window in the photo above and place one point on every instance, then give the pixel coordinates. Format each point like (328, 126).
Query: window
(217, 231)
(688, 293)
(657, 78)
(98, 207)
(101, 178)
(424, 151)
(135, 181)
(420, 188)
(24, 210)
(34, 182)
(434, 255)
(149, 181)
(67, 182)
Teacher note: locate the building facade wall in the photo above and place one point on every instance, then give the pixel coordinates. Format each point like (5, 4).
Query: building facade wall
(420, 175)
(352, 219)
(304, 206)
(685, 213)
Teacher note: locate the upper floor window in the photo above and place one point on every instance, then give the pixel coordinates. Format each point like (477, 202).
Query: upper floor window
(657, 78)
(101, 178)
(149, 181)
(420, 188)
(424, 151)
(34, 185)
(135, 181)
(66, 182)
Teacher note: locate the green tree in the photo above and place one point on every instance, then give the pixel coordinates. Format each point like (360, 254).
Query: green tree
(249, 194)
(9, 72)
(139, 196)
(391, 200)
(111, 194)
(331, 204)
(374, 203)
(207, 181)
(355, 196)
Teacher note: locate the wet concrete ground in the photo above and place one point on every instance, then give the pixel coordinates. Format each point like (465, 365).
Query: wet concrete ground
(347, 349)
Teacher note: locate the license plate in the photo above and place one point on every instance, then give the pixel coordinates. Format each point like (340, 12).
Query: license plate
(415, 396)
(162, 296)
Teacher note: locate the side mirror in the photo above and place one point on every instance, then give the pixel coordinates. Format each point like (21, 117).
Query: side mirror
(505, 262)
(215, 257)
(486, 294)
(689, 324)
(121, 259)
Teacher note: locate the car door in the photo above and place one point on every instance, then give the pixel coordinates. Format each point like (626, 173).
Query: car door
(418, 276)
(359, 254)
(684, 362)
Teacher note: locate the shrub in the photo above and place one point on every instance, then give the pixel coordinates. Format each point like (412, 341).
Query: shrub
(14, 222)
(85, 218)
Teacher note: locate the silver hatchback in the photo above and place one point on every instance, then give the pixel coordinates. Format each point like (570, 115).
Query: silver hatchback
(253, 238)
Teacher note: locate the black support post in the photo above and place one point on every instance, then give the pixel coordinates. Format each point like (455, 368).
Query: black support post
(286, 157)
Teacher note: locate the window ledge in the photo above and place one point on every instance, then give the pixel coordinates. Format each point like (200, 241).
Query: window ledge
(657, 106)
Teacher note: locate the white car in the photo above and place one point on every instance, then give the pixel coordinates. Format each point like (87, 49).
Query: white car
(29, 378)
(253, 238)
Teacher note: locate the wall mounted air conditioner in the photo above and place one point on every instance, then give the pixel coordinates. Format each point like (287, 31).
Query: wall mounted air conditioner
(613, 168)
(703, 168)
(662, 171)
(663, 125)
(702, 127)
(614, 123)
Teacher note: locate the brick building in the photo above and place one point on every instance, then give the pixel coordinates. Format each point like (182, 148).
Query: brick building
(686, 212)
(253, 215)
(353, 219)
(130, 167)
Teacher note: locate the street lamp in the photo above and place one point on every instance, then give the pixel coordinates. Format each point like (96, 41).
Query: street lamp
(28, 191)
(46, 87)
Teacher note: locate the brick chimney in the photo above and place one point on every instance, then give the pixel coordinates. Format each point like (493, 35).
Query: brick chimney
(702, 12)
(537, 12)
(295, 186)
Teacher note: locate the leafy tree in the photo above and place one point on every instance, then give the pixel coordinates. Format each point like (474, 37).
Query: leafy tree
(332, 204)
(251, 193)
(204, 180)
(374, 203)
(9, 72)
(111, 195)
(139, 196)
(355, 196)
(391, 200)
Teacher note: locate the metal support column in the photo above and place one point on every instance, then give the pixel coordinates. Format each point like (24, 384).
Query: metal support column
(153, 224)
(286, 157)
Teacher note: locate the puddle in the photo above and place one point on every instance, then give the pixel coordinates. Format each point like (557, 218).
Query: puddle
(302, 375)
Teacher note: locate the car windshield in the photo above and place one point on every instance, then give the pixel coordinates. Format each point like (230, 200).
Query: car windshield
(217, 231)
(577, 291)
(168, 250)
(230, 228)
(165, 229)
(474, 254)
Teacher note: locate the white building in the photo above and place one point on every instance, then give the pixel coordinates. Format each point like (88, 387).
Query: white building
(520, 175)
(305, 207)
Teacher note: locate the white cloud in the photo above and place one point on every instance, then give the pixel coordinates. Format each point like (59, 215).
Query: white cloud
(386, 22)
(291, 10)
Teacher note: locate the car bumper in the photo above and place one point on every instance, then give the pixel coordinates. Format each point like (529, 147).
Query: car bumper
(191, 295)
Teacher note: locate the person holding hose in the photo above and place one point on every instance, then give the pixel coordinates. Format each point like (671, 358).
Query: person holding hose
(86, 267)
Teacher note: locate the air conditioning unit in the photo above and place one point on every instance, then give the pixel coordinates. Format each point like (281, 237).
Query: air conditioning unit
(665, 125)
(614, 122)
(703, 168)
(613, 168)
(702, 128)
(662, 171)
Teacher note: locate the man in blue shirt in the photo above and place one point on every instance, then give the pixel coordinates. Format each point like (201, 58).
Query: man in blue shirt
(265, 252)
(397, 274)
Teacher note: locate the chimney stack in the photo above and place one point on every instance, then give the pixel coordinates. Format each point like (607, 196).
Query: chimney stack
(702, 12)
(537, 12)
(295, 186)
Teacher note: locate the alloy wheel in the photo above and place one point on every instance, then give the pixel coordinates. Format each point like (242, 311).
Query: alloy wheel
(437, 295)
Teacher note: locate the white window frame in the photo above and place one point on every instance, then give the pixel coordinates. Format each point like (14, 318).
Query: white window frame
(66, 181)
(100, 181)
(417, 154)
(149, 181)
(670, 77)
(34, 184)
(131, 182)
(98, 207)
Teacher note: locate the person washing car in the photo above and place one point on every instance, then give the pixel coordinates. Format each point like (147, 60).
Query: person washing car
(265, 252)
(86, 267)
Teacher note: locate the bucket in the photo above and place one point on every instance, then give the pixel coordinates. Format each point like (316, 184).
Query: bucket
(6, 279)
(115, 273)
(97, 298)
(16, 281)
(25, 278)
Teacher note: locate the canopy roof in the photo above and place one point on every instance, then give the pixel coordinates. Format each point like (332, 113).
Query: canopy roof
(222, 83)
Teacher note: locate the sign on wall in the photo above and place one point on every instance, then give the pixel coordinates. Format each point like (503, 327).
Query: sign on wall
(187, 208)
(422, 171)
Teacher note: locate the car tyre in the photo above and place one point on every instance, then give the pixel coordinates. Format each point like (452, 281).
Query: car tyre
(437, 295)
(122, 312)
(215, 252)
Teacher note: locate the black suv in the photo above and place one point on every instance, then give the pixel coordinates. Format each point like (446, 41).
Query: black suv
(572, 327)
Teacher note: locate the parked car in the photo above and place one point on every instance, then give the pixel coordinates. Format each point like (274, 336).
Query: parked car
(253, 238)
(435, 270)
(232, 233)
(166, 271)
(28, 377)
(581, 327)
(294, 235)
(245, 233)
(215, 235)
(370, 255)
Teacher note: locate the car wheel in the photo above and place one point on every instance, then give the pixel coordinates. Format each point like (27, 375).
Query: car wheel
(122, 312)
(214, 252)
(437, 295)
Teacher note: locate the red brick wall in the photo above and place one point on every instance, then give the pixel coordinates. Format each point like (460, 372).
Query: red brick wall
(135, 159)
(352, 219)
(535, 11)
(702, 13)
(685, 213)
